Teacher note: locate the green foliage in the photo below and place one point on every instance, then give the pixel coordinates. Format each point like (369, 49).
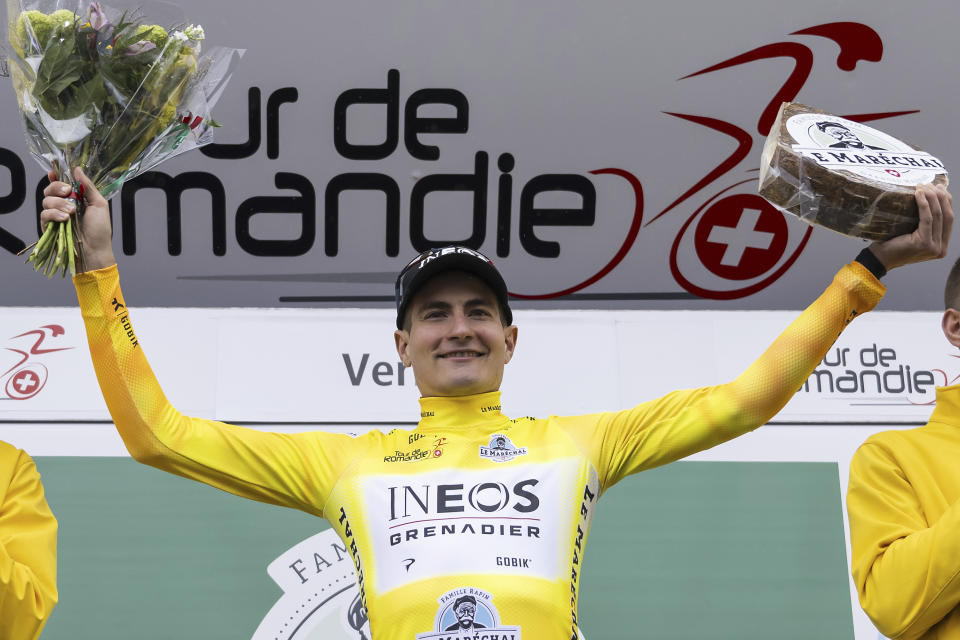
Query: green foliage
(107, 100)
(37, 22)
(59, 21)
(152, 33)
(68, 84)
(137, 93)
(44, 28)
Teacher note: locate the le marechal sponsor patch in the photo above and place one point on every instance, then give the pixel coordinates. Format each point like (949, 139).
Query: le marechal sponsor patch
(468, 613)
(501, 449)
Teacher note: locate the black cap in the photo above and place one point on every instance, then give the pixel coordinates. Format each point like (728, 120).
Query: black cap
(435, 261)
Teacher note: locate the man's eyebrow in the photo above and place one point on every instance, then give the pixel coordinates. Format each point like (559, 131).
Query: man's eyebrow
(445, 306)
(479, 302)
(434, 304)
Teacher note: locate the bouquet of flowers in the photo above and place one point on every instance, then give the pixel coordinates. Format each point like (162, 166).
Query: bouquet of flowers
(109, 93)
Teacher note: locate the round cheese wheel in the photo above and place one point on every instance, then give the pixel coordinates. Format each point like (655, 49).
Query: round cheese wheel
(843, 175)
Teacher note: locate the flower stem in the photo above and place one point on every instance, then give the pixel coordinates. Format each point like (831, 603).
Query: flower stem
(70, 251)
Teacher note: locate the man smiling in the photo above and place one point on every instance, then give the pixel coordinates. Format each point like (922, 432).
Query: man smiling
(464, 327)
(427, 530)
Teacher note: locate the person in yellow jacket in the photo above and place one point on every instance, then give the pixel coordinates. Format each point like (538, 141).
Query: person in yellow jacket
(28, 548)
(472, 520)
(903, 501)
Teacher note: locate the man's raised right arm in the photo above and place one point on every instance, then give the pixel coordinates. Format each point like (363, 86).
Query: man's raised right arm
(295, 470)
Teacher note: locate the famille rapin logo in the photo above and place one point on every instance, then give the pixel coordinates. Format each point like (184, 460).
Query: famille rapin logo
(321, 599)
(465, 613)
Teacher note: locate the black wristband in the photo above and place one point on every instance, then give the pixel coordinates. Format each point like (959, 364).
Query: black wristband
(870, 261)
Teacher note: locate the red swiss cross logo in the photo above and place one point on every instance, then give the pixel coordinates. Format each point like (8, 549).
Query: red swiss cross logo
(27, 382)
(741, 237)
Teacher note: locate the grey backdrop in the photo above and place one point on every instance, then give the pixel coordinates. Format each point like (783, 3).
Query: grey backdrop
(565, 87)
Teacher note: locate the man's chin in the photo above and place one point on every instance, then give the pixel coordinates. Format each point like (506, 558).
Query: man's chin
(465, 390)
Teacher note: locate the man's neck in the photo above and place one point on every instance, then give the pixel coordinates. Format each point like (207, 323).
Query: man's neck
(460, 411)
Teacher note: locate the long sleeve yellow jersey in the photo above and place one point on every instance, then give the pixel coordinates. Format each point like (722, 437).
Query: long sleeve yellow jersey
(472, 525)
(28, 548)
(903, 501)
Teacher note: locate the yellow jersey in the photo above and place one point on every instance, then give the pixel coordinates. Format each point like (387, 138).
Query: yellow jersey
(472, 525)
(903, 500)
(28, 548)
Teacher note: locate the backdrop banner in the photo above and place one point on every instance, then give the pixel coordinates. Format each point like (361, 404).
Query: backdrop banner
(322, 366)
(604, 154)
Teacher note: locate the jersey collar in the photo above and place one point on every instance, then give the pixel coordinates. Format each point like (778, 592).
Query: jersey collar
(948, 405)
(460, 411)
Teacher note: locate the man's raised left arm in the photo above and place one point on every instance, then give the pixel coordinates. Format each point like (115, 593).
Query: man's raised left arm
(685, 422)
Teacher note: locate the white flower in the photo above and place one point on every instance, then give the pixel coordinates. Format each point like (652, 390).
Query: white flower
(180, 36)
(195, 32)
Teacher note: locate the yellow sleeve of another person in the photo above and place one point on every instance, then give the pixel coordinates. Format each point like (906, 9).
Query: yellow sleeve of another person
(902, 500)
(28, 548)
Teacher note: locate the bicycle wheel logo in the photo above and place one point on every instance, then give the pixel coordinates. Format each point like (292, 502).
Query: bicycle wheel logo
(26, 382)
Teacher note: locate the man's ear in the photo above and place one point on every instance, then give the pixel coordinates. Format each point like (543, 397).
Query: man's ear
(951, 326)
(510, 340)
(402, 339)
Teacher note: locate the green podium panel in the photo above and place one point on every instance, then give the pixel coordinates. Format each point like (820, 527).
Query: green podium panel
(148, 555)
(693, 550)
(714, 550)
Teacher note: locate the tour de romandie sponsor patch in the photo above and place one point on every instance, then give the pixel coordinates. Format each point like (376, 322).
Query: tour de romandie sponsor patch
(501, 449)
(465, 613)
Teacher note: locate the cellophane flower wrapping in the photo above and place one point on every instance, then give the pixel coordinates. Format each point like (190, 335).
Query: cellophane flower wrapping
(110, 92)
